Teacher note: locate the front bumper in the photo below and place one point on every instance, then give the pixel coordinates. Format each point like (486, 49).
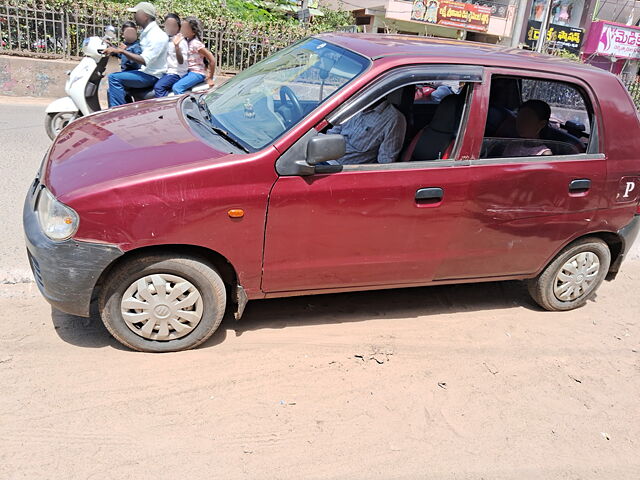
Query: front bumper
(628, 234)
(65, 272)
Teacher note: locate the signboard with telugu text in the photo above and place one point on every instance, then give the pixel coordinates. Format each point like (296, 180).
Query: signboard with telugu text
(452, 14)
(566, 38)
(619, 41)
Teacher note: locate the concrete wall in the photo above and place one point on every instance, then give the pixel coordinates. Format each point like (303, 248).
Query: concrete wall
(30, 77)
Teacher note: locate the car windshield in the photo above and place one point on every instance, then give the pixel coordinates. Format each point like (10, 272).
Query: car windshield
(260, 104)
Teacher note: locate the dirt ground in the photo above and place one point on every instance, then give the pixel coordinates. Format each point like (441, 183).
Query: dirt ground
(459, 382)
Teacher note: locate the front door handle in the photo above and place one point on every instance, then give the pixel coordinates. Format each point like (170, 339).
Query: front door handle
(429, 195)
(580, 185)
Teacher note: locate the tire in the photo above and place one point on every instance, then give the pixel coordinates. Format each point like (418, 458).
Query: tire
(51, 120)
(558, 288)
(136, 281)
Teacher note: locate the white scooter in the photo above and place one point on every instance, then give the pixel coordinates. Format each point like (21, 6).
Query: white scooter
(83, 84)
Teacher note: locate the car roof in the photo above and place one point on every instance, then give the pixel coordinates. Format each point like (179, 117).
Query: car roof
(378, 46)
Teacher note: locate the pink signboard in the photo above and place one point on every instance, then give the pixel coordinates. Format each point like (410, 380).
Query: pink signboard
(613, 40)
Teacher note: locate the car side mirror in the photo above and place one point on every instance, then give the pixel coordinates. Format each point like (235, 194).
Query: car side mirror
(323, 148)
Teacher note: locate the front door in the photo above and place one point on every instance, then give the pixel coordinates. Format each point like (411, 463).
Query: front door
(361, 228)
(376, 224)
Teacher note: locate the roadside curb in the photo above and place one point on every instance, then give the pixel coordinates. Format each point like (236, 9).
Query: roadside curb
(11, 100)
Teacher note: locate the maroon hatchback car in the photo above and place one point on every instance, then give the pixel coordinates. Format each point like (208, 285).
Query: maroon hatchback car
(169, 212)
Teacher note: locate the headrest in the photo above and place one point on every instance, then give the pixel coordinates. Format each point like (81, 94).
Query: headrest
(445, 119)
(395, 97)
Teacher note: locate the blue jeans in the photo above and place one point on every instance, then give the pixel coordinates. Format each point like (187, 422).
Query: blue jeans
(163, 86)
(120, 81)
(191, 79)
(441, 92)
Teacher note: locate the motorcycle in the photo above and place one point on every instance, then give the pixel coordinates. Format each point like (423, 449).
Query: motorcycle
(83, 84)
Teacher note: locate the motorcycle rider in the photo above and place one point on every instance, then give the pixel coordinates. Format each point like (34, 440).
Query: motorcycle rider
(153, 57)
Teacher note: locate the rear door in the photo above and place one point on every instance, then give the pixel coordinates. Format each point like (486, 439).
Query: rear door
(519, 211)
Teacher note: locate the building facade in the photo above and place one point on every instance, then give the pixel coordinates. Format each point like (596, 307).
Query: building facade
(569, 23)
(484, 21)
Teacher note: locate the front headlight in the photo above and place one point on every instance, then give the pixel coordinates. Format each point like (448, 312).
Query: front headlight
(58, 222)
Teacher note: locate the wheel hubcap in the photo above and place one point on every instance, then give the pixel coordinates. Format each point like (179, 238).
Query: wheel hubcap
(61, 120)
(161, 307)
(576, 277)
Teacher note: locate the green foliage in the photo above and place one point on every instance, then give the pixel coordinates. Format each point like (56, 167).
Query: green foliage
(634, 91)
(332, 20)
(562, 53)
(254, 15)
(239, 32)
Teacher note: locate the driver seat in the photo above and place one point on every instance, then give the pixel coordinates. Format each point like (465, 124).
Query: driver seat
(436, 140)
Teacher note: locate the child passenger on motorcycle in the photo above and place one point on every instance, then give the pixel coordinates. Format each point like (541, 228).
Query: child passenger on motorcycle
(131, 44)
(191, 31)
(177, 57)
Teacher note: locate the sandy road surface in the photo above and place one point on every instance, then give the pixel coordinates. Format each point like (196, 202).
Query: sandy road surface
(464, 382)
(23, 143)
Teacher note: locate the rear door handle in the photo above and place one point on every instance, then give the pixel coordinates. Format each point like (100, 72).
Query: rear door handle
(429, 195)
(580, 185)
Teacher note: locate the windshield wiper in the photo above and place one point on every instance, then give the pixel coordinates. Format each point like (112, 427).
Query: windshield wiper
(202, 105)
(223, 133)
(217, 130)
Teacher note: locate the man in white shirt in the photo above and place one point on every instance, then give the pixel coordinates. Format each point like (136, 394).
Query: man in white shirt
(153, 58)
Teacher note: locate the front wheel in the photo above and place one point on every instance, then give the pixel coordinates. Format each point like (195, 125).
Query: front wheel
(162, 303)
(55, 122)
(575, 274)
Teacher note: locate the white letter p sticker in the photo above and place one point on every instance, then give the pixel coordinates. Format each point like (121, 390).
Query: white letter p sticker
(630, 188)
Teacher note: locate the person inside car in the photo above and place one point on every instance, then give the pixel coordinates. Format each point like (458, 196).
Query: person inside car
(501, 117)
(533, 117)
(374, 135)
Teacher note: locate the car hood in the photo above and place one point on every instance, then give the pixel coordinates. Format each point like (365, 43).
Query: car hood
(123, 142)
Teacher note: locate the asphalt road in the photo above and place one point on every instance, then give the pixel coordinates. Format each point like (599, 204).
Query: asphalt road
(23, 143)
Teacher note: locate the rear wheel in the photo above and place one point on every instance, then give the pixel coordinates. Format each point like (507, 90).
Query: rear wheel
(163, 303)
(55, 122)
(574, 275)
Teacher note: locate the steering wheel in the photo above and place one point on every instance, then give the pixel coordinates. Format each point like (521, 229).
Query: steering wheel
(289, 99)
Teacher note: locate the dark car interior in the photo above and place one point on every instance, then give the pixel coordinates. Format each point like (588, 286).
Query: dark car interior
(433, 135)
(433, 124)
(507, 94)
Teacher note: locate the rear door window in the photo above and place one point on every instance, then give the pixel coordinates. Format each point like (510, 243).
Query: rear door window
(529, 117)
(566, 101)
